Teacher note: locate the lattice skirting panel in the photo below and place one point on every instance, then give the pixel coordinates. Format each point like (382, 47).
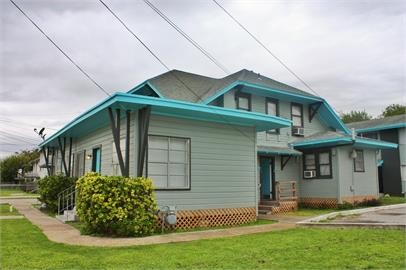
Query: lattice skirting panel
(319, 202)
(358, 199)
(284, 207)
(188, 219)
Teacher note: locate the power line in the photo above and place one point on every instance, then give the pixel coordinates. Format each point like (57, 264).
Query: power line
(149, 50)
(59, 48)
(15, 135)
(160, 61)
(265, 47)
(187, 37)
(129, 30)
(13, 123)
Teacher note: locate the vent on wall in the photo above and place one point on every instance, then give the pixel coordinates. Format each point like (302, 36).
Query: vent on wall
(298, 131)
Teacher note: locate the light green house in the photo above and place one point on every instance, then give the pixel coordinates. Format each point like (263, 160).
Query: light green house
(221, 147)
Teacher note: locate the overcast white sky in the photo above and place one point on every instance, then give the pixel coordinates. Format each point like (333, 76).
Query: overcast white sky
(351, 52)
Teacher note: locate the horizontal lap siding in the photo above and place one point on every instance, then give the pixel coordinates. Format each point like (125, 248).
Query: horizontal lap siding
(364, 183)
(222, 164)
(103, 137)
(322, 188)
(285, 136)
(291, 171)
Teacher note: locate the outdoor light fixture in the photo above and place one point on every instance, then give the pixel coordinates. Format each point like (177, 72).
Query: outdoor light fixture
(88, 157)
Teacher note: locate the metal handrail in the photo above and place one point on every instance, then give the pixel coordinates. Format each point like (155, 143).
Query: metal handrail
(66, 199)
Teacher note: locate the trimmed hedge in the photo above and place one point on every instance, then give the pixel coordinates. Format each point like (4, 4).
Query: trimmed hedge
(50, 186)
(116, 205)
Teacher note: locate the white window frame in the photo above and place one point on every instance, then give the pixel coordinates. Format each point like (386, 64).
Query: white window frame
(187, 165)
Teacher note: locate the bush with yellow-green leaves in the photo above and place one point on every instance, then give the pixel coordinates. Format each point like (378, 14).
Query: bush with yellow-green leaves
(116, 205)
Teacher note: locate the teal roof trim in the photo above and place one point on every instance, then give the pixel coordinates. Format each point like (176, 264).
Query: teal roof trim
(338, 123)
(359, 142)
(369, 143)
(322, 142)
(381, 127)
(140, 86)
(329, 116)
(167, 107)
(257, 86)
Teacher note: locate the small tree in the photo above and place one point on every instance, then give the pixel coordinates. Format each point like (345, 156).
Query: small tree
(9, 166)
(394, 109)
(355, 116)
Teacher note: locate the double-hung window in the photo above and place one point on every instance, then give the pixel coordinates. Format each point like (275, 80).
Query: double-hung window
(243, 101)
(272, 108)
(169, 162)
(320, 162)
(359, 161)
(297, 115)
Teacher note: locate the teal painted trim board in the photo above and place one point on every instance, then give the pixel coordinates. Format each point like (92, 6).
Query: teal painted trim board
(381, 127)
(338, 119)
(271, 90)
(179, 109)
(140, 86)
(331, 118)
(359, 142)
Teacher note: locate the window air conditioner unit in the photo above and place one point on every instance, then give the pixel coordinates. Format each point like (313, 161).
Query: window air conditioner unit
(298, 131)
(309, 174)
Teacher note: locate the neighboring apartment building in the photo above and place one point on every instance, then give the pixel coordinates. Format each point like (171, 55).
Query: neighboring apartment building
(236, 144)
(392, 162)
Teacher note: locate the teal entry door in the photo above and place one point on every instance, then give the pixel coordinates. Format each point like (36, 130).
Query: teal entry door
(96, 160)
(266, 177)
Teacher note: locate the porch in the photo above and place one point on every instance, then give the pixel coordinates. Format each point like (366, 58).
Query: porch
(279, 174)
(285, 199)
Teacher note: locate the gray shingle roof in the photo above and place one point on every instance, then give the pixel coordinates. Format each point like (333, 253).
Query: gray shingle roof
(397, 119)
(191, 87)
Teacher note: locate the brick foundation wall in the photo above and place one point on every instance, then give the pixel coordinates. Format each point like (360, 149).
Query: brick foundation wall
(188, 219)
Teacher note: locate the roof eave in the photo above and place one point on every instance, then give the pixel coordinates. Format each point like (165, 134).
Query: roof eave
(197, 112)
(381, 127)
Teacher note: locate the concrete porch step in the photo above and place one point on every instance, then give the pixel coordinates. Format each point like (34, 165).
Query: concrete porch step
(268, 202)
(68, 215)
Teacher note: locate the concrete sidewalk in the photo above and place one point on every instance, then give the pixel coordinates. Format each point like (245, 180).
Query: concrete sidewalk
(59, 232)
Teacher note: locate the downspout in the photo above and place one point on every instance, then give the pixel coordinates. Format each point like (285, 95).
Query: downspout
(353, 157)
(256, 172)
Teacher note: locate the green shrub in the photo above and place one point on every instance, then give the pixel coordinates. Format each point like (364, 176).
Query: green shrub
(345, 206)
(370, 202)
(115, 205)
(49, 188)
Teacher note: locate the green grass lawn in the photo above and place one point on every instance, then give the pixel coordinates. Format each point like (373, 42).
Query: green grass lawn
(309, 212)
(5, 210)
(392, 200)
(23, 246)
(8, 192)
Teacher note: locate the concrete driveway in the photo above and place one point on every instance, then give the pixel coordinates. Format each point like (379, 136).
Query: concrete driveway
(385, 216)
(390, 216)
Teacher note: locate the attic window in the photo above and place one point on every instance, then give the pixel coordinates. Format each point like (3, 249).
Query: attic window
(243, 101)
